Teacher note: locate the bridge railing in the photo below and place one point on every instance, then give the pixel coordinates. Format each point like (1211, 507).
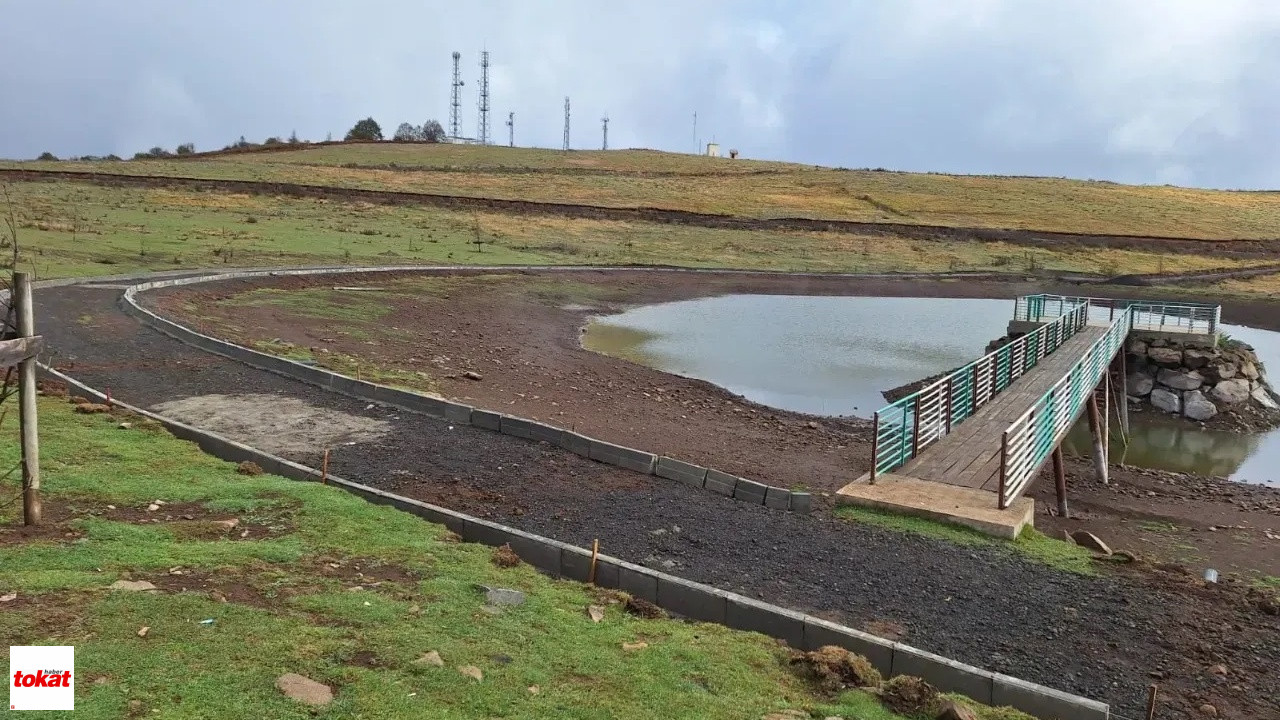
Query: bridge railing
(1158, 316)
(904, 429)
(1029, 439)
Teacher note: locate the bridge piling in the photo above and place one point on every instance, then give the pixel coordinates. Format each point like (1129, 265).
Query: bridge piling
(1099, 442)
(1060, 480)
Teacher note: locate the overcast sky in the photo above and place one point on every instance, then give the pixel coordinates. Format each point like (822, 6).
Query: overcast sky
(1156, 91)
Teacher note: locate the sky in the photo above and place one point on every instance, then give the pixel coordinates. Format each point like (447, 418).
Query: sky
(1185, 92)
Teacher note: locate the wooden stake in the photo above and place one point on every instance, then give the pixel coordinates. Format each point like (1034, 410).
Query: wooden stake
(324, 468)
(595, 554)
(31, 507)
(1060, 481)
(1151, 701)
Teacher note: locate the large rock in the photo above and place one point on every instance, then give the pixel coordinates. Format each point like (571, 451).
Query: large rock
(1197, 407)
(1249, 370)
(1231, 392)
(1137, 347)
(1139, 384)
(1166, 400)
(1220, 370)
(1195, 358)
(1165, 356)
(1179, 380)
(1263, 397)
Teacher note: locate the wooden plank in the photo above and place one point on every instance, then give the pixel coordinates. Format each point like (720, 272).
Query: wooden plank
(16, 350)
(970, 455)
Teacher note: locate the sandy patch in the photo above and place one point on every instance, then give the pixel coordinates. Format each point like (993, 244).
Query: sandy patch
(275, 423)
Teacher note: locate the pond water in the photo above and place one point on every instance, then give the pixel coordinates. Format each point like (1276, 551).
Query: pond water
(837, 355)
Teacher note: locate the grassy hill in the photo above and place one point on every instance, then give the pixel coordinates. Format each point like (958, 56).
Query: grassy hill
(757, 189)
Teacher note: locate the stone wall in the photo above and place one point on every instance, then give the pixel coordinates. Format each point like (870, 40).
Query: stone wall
(1198, 381)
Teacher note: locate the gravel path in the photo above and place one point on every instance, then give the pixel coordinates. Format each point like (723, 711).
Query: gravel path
(1103, 637)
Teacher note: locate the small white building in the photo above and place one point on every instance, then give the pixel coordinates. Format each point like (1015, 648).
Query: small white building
(713, 149)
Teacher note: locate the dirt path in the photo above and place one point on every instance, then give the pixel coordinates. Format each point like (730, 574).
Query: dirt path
(1103, 637)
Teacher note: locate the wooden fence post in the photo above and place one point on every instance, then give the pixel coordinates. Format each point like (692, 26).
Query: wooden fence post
(31, 508)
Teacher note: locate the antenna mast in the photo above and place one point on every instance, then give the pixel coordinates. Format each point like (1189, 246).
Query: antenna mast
(455, 101)
(604, 123)
(696, 148)
(511, 129)
(566, 122)
(482, 134)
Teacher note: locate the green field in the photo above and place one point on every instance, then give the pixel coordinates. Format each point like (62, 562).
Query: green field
(326, 585)
(82, 229)
(643, 178)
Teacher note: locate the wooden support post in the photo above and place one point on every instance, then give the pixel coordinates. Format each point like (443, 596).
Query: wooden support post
(1124, 391)
(31, 508)
(1060, 481)
(1099, 448)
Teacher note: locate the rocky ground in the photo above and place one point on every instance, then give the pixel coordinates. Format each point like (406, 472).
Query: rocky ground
(1106, 636)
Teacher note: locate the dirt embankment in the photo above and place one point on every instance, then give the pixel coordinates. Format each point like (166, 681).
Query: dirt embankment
(1234, 248)
(522, 335)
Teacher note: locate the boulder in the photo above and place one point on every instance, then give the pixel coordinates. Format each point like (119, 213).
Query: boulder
(1179, 380)
(1166, 400)
(1197, 407)
(1220, 370)
(1231, 392)
(1137, 347)
(1139, 384)
(1263, 397)
(1165, 356)
(952, 710)
(1249, 370)
(1195, 358)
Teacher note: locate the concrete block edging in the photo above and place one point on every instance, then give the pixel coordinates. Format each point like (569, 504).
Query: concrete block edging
(664, 467)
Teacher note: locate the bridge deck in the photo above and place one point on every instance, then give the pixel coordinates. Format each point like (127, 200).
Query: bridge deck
(970, 455)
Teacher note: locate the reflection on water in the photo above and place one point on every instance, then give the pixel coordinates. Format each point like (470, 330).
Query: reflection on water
(821, 355)
(836, 356)
(1163, 445)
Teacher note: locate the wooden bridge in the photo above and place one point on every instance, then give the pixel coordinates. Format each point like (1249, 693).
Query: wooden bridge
(965, 448)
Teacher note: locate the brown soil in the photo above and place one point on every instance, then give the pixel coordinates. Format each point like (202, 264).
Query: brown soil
(522, 334)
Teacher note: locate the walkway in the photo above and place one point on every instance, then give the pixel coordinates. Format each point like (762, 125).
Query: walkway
(964, 448)
(970, 455)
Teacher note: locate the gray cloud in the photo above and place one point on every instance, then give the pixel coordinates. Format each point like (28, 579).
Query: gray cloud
(1181, 91)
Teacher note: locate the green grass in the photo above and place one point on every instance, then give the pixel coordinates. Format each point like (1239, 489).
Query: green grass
(631, 178)
(283, 608)
(1031, 544)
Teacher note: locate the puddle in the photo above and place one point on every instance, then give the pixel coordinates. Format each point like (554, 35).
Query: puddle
(836, 356)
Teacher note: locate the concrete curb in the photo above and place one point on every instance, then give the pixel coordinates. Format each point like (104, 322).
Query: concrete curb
(678, 595)
(598, 450)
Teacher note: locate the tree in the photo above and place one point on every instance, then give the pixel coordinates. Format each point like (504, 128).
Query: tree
(366, 129)
(186, 148)
(407, 133)
(293, 138)
(432, 131)
(273, 141)
(46, 155)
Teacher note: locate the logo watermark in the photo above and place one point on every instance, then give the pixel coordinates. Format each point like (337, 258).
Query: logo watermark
(42, 677)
